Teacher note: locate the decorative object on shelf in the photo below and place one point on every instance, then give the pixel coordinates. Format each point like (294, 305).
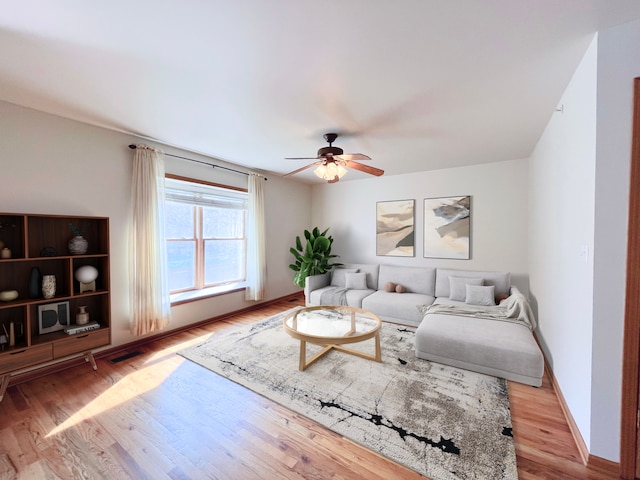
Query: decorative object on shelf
(49, 286)
(3, 341)
(8, 295)
(447, 227)
(82, 317)
(48, 252)
(5, 253)
(12, 335)
(395, 228)
(53, 317)
(78, 245)
(19, 330)
(35, 283)
(75, 329)
(86, 276)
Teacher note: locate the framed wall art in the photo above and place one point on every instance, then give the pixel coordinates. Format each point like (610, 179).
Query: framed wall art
(395, 228)
(53, 317)
(447, 227)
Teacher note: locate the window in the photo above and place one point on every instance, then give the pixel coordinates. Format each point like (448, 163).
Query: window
(206, 235)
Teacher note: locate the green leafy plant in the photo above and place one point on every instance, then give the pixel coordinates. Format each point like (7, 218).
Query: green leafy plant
(312, 257)
(76, 231)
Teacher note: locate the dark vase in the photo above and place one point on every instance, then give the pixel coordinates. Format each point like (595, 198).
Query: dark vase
(35, 283)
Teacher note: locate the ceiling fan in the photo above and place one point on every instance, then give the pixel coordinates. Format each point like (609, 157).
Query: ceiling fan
(332, 162)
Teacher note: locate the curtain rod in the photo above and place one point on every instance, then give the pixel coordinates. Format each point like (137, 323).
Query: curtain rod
(133, 147)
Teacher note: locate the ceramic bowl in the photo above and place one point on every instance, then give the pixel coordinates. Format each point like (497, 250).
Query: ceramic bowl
(8, 295)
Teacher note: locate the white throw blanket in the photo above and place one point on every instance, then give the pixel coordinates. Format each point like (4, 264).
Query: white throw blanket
(513, 309)
(334, 296)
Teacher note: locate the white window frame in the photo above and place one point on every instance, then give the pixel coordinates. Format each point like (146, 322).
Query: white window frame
(200, 193)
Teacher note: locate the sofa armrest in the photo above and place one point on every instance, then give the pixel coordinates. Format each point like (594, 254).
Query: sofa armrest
(314, 282)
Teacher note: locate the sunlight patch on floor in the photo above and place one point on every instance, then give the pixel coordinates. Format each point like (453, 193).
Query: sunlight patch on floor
(165, 352)
(128, 388)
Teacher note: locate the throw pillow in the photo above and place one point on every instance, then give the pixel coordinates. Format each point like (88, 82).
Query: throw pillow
(457, 287)
(338, 276)
(389, 287)
(480, 295)
(356, 281)
(400, 289)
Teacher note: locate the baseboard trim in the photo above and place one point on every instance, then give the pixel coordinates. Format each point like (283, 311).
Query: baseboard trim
(589, 460)
(32, 374)
(604, 465)
(573, 427)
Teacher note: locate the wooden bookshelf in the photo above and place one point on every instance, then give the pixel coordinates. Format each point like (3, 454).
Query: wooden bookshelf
(41, 241)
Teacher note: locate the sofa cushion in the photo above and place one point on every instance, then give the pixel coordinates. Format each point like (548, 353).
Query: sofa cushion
(480, 295)
(501, 280)
(413, 279)
(370, 269)
(357, 281)
(338, 276)
(398, 306)
(457, 287)
(504, 349)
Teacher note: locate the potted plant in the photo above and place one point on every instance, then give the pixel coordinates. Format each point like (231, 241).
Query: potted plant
(313, 257)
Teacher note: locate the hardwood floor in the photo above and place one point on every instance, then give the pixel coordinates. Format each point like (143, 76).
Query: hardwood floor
(158, 416)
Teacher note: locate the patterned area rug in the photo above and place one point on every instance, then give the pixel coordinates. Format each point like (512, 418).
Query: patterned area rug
(443, 422)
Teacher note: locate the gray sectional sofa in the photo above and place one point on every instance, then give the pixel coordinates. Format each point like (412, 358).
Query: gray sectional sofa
(456, 323)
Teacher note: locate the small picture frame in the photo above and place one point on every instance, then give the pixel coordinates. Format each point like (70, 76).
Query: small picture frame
(53, 317)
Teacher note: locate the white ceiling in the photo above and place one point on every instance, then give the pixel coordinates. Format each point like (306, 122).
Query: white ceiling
(415, 84)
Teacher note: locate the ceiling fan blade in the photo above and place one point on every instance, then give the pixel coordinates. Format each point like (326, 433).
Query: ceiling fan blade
(353, 156)
(365, 168)
(303, 168)
(301, 158)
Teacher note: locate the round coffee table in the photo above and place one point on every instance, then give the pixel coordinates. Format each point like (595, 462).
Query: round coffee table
(333, 326)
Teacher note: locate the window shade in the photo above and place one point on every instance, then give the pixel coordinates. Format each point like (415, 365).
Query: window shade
(204, 195)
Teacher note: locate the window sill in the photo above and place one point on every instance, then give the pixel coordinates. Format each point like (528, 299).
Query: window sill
(193, 295)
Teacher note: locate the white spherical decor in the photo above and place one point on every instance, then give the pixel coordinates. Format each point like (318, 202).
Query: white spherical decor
(86, 274)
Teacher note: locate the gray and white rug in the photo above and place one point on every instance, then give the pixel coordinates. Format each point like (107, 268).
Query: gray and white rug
(443, 422)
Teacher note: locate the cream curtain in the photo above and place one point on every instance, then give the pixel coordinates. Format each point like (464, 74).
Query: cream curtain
(256, 254)
(149, 295)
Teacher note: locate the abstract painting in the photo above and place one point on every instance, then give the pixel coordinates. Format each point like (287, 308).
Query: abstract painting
(447, 227)
(395, 228)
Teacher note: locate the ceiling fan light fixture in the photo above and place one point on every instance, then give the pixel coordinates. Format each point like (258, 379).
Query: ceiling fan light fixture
(330, 170)
(321, 171)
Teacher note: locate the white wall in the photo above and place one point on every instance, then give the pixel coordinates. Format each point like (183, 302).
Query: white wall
(579, 184)
(562, 179)
(56, 166)
(498, 215)
(618, 65)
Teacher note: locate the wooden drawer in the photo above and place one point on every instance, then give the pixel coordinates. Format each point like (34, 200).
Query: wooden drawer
(81, 342)
(25, 357)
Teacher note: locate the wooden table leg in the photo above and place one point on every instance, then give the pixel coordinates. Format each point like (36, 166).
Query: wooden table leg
(89, 358)
(4, 383)
(303, 356)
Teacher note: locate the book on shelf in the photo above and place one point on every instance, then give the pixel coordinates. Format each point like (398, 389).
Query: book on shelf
(75, 329)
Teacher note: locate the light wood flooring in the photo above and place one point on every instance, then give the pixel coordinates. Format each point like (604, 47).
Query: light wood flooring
(158, 416)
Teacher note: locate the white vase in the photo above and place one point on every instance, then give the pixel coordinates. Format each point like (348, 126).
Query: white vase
(78, 245)
(49, 286)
